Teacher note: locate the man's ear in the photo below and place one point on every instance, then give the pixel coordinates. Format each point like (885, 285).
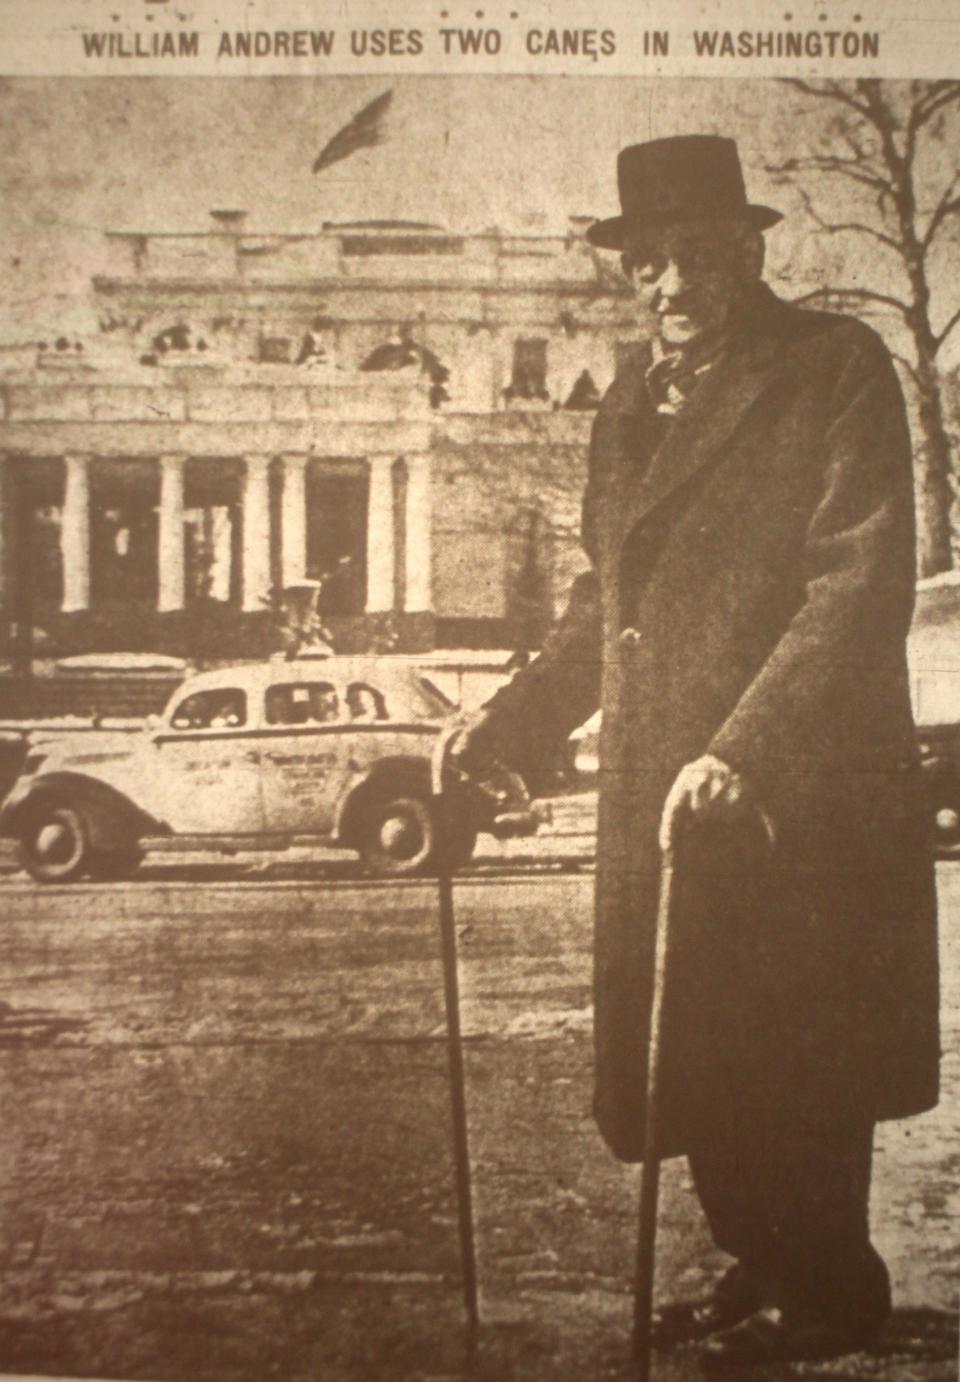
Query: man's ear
(752, 250)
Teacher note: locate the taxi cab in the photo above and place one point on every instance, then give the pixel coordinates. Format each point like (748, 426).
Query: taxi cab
(334, 751)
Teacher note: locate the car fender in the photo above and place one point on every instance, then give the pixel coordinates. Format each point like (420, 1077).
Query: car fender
(112, 818)
(412, 770)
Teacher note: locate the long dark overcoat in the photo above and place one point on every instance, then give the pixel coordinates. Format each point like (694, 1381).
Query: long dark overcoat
(751, 590)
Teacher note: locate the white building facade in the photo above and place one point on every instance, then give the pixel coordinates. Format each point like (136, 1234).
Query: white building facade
(393, 411)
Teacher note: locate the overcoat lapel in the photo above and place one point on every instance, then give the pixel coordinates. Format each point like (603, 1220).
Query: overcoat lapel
(714, 412)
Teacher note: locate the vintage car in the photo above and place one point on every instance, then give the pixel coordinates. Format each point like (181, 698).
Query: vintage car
(337, 750)
(934, 659)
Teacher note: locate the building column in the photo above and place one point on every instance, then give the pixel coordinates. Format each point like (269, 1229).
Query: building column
(75, 534)
(293, 520)
(255, 579)
(419, 528)
(170, 543)
(380, 537)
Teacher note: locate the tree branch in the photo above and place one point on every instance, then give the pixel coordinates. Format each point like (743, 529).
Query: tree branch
(942, 336)
(908, 365)
(856, 295)
(839, 227)
(937, 95)
(946, 206)
(900, 165)
(830, 91)
(827, 164)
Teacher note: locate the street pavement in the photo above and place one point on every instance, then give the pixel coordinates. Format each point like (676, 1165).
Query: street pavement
(224, 1144)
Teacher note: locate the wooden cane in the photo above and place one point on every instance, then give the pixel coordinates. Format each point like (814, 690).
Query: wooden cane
(451, 994)
(650, 1177)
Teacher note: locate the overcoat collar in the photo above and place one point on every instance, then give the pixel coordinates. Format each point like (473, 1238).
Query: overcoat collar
(716, 408)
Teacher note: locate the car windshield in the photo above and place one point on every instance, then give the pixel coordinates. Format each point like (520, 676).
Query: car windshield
(221, 708)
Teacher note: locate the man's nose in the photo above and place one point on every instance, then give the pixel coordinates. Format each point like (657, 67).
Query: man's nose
(673, 281)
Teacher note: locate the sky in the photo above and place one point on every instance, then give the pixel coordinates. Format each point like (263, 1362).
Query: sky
(84, 155)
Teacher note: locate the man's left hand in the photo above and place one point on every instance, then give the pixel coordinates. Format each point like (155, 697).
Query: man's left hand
(706, 786)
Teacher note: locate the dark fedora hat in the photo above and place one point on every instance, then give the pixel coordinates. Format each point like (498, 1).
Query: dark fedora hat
(688, 177)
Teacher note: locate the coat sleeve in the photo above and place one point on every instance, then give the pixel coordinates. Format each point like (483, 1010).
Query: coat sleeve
(560, 689)
(845, 641)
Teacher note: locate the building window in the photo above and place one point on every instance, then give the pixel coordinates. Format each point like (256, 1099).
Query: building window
(211, 528)
(274, 350)
(363, 245)
(337, 538)
(124, 495)
(46, 558)
(38, 514)
(528, 378)
(315, 348)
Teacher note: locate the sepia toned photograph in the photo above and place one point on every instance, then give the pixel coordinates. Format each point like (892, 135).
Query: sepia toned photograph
(479, 718)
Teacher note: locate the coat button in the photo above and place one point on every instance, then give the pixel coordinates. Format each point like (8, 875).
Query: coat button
(630, 639)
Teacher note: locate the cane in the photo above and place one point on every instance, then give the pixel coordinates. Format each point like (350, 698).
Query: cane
(451, 993)
(650, 1176)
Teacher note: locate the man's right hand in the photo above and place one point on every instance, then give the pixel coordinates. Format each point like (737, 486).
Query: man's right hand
(472, 748)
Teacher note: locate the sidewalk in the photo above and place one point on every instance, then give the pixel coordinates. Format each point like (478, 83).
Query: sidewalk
(225, 1153)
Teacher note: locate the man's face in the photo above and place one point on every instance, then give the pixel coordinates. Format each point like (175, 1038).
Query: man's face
(687, 277)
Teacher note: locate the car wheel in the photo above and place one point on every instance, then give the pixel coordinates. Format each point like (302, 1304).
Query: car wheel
(397, 836)
(53, 843)
(114, 865)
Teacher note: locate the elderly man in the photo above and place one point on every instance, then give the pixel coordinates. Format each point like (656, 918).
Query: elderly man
(749, 520)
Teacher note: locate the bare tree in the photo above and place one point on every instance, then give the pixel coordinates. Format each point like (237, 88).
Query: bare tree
(884, 156)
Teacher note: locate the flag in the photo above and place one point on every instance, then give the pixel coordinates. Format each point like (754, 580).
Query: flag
(364, 131)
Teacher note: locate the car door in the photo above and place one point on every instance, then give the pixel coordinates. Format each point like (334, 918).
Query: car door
(207, 759)
(302, 748)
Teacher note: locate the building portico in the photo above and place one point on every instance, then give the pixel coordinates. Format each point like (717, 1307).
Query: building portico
(225, 492)
(396, 413)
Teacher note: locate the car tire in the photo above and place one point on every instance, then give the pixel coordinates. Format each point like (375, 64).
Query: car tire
(54, 843)
(114, 865)
(397, 836)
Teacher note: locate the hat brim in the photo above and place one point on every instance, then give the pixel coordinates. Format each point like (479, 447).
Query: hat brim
(611, 233)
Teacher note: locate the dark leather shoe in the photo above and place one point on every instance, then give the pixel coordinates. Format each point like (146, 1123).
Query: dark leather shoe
(773, 1336)
(735, 1297)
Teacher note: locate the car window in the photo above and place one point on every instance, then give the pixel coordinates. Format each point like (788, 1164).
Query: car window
(365, 703)
(395, 694)
(433, 700)
(222, 708)
(301, 703)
